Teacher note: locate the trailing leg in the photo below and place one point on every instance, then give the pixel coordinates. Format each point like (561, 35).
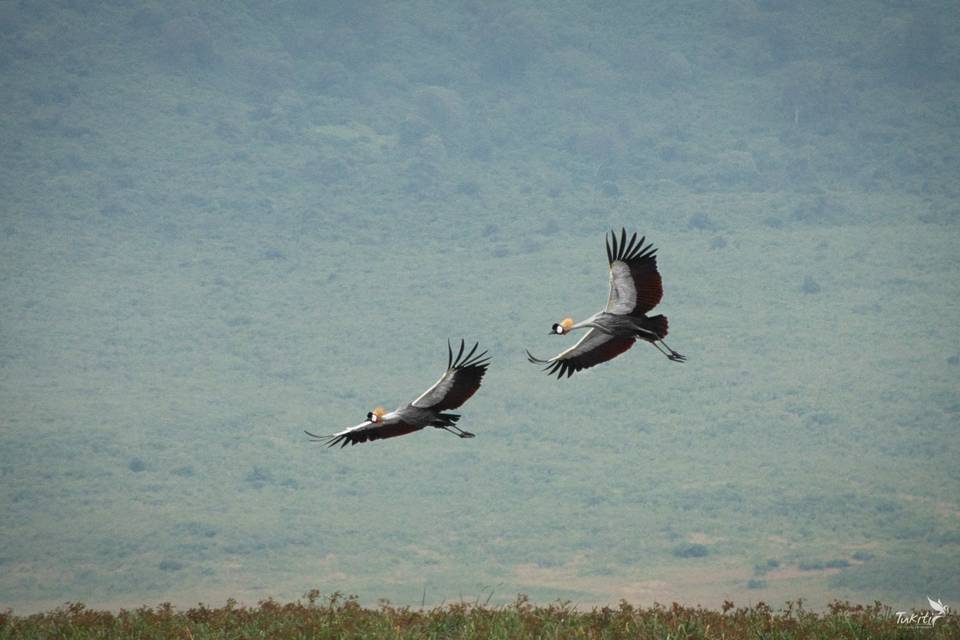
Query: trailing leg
(670, 353)
(457, 431)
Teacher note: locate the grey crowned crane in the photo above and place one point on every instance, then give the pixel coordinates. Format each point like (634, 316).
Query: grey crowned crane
(635, 289)
(460, 381)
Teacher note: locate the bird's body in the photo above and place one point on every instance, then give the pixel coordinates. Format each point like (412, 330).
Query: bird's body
(616, 325)
(635, 289)
(460, 381)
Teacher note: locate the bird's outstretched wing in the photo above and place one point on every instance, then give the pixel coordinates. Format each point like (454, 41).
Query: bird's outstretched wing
(635, 284)
(364, 432)
(460, 381)
(595, 347)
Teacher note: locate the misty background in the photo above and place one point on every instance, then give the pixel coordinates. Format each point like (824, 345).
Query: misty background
(224, 223)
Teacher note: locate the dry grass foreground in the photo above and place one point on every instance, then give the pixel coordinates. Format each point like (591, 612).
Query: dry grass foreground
(343, 617)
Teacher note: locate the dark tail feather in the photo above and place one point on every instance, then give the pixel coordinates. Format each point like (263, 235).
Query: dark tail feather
(657, 324)
(446, 420)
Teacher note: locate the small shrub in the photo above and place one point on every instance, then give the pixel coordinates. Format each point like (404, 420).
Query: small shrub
(773, 222)
(258, 476)
(885, 505)
(273, 254)
(702, 222)
(690, 551)
(810, 285)
(610, 189)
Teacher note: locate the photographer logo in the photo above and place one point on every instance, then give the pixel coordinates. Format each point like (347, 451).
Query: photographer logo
(927, 618)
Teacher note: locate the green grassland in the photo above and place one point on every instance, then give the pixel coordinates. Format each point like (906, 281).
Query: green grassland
(222, 226)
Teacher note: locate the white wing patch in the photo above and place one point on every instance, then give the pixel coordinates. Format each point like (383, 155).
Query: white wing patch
(588, 342)
(363, 426)
(366, 424)
(437, 392)
(623, 292)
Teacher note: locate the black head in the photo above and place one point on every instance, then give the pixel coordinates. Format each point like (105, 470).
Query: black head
(561, 328)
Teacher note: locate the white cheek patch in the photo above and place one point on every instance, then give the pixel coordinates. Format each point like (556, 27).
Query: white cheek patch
(560, 329)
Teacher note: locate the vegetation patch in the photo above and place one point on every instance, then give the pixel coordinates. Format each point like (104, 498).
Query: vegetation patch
(339, 617)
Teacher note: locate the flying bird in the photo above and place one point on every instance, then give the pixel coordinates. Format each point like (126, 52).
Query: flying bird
(460, 381)
(635, 289)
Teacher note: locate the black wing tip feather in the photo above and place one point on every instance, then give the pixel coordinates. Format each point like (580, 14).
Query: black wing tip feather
(621, 250)
(559, 367)
(534, 359)
(471, 361)
(327, 440)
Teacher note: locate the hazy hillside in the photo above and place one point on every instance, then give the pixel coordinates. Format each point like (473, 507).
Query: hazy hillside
(223, 225)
